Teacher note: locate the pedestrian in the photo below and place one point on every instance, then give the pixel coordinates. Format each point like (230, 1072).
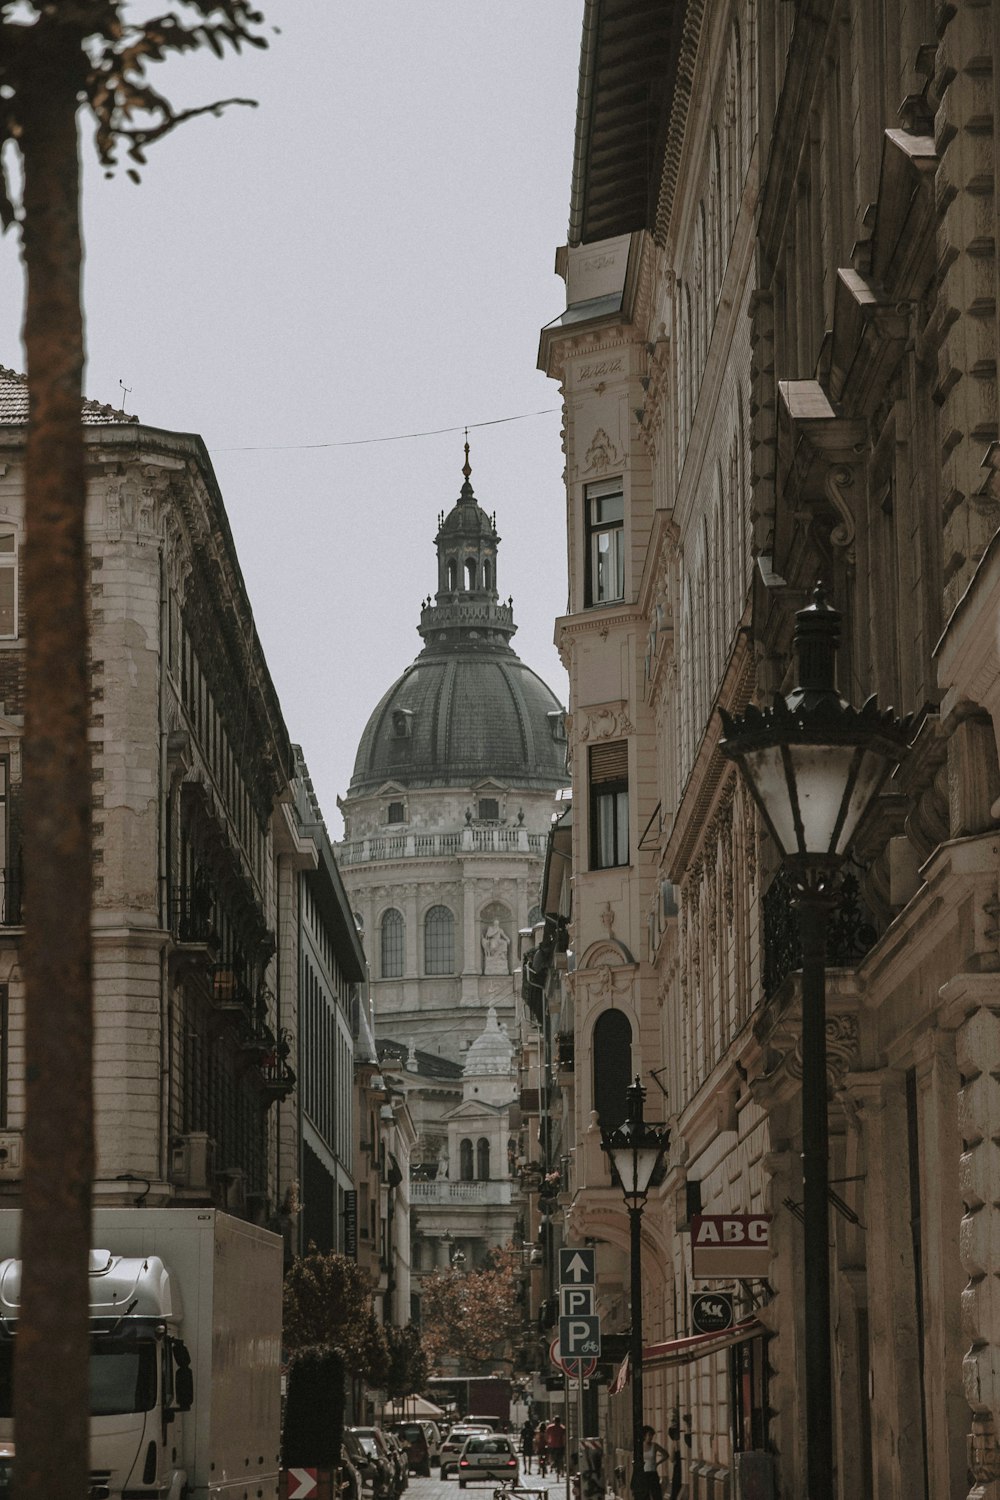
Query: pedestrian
(541, 1451)
(555, 1442)
(527, 1443)
(652, 1454)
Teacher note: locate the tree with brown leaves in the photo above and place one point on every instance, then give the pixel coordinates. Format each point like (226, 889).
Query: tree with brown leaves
(328, 1304)
(468, 1316)
(56, 56)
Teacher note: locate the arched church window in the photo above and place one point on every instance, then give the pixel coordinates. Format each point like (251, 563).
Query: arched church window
(483, 1159)
(465, 1161)
(452, 575)
(470, 573)
(439, 941)
(392, 944)
(612, 1053)
(487, 575)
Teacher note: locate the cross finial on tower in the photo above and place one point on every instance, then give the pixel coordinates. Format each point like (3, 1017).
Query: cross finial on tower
(467, 467)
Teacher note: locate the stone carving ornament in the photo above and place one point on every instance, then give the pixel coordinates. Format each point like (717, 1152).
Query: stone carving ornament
(602, 454)
(605, 724)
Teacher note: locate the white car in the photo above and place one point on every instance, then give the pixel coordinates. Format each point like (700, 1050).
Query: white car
(453, 1444)
(487, 1455)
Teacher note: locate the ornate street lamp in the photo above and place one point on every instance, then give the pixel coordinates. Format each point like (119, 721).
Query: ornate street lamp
(814, 766)
(636, 1149)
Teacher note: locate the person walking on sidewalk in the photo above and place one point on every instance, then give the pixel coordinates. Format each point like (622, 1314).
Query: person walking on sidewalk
(652, 1454)
(555, 1442)
(527, 1443)
(541, 1451)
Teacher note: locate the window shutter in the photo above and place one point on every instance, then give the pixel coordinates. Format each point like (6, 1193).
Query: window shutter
(609, 762)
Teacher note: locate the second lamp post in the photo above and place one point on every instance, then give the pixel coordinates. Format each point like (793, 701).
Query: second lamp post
(636, 1149)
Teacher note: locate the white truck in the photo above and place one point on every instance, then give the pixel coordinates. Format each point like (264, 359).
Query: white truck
(185, 1354)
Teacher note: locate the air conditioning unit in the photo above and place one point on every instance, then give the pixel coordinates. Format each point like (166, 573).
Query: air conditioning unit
(192, 1162)
(11, 1155)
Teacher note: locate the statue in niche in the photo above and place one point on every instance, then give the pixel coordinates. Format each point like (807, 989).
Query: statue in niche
(495, 945)
(442, 1171)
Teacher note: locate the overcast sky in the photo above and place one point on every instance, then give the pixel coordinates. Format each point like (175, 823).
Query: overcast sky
(367, 253)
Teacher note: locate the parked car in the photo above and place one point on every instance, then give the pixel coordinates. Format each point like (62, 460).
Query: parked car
(413, 1437)
(377, 1477)
(488, 1455)
(397, 1452)
(453, 1444)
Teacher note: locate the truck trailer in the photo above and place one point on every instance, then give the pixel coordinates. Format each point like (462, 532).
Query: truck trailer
(185, 1353)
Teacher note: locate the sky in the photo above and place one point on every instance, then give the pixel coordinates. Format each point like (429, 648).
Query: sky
(367, 253)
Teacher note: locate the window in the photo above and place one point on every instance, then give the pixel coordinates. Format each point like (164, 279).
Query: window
(465, 1161)
(452, 574)
(605, 515)
(392, 944)
(395, 813)
(483, 1159)
(8, 585)
(470, 573)
(487, 575)
(489, 810)
(609, 805)
(611, 1049)
(439, 941)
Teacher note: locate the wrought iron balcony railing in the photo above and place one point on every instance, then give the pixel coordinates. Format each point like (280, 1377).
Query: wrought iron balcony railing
(850, 932)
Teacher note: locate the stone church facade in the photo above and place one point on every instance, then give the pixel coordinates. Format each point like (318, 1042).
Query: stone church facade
(446, 821)
(778, 362)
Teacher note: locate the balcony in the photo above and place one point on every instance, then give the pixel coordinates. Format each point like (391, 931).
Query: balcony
(850, 932)
(460, 1192)
(469, 840)
(191, 916)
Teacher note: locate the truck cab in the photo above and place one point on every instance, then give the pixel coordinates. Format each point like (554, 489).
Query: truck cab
(140, 1373)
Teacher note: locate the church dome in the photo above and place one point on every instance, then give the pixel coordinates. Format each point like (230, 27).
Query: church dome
(491, 1052)
(467, 708)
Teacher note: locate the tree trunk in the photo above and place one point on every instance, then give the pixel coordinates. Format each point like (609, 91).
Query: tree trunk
(51, 1370)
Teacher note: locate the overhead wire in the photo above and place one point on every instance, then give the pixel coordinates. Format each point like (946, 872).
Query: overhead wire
(396, 437)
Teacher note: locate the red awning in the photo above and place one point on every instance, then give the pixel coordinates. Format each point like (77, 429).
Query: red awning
(683, 1351)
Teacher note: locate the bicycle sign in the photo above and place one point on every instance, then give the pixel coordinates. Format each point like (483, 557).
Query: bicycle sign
(580, 1338)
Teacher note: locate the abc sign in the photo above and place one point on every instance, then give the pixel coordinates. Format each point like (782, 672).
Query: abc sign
(730, 1245)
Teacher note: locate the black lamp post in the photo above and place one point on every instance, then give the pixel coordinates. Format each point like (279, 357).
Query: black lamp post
(636, 1149)
(814, 766)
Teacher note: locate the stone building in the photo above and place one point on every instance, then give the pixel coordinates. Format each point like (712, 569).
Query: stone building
(197, 839)
(778, 362)
(445, 826)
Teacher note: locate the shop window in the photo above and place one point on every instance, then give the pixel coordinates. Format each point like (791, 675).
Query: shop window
(609, 805)
(604, 503)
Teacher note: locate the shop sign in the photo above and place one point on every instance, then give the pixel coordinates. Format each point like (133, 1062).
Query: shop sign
(711, 1312)
(730, 1245)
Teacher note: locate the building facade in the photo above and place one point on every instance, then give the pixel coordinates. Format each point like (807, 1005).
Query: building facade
(445, 826)
(778, 363)
(212, 873)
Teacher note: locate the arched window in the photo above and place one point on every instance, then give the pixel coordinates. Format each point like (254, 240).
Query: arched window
(439, 941)
(612, 1052)
(392, 944)
(470, 573)
(465, 1161)
(487, 575)
(452, 575)
(483, 1159)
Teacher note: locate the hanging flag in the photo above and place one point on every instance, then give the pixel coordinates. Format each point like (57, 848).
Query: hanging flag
(621, 1378)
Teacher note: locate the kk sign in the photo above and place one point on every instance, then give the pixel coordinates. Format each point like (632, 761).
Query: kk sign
(730, 1245)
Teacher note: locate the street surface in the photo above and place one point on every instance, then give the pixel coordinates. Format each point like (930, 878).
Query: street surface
(437, 1489)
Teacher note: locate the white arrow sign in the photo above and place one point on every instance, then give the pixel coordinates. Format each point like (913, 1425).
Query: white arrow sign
(576, 1267)
(302, 1483)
